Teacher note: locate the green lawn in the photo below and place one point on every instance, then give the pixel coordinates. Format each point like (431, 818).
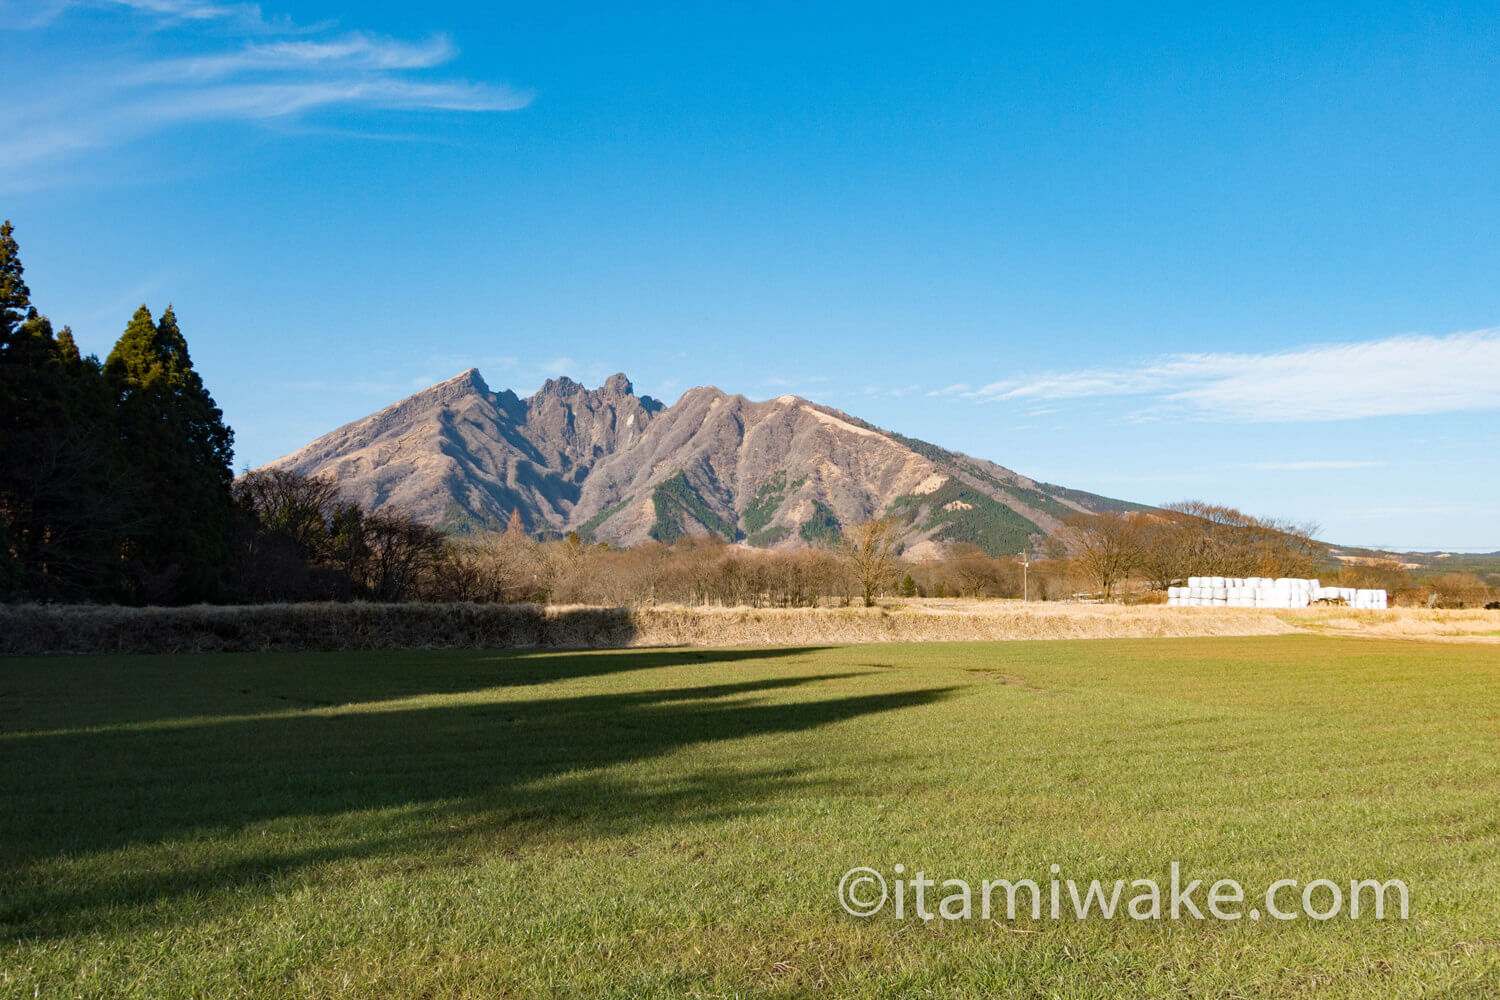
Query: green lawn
(674, 822)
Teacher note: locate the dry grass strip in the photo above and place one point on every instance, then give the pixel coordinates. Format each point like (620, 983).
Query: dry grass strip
(31, 629)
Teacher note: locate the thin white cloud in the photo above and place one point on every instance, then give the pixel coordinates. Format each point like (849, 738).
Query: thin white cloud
(274, 100)
(1406, 375)
(113, 96)
(185, 10)
(956, 389)
(1310, 465)
(158, 13)
(353, 51)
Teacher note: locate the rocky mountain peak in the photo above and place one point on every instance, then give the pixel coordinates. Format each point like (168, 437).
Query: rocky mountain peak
(466, 383)
(623, 468)
(560, 387)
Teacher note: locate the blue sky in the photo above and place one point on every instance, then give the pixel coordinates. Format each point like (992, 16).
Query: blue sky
(1245, 254)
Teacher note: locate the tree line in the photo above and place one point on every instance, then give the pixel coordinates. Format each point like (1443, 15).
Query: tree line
(1192, 538)
(1148, 551)
(116, 485)
(302, 552)
(116, 482)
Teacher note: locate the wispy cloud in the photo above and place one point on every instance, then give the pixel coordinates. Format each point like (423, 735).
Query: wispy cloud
(353, 51)
(183, 10)
(1310, 465)
(158, 14)
(224, 63)
(1406, 375)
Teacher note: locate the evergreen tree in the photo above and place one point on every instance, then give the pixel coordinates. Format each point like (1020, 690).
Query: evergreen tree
(175, 441)
(15, 297)
(60, 491)
(67, 349)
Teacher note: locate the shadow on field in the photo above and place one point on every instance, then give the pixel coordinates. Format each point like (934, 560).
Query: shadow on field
(82, 692)
(474, 777)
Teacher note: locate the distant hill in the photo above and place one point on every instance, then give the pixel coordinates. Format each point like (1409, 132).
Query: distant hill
(1485, 564)
(622, 468)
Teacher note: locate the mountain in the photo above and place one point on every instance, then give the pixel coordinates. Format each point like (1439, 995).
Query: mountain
(622, 468)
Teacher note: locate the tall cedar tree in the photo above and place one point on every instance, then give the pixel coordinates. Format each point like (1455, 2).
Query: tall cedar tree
(175, 441)
(15, 299)
(62, 489)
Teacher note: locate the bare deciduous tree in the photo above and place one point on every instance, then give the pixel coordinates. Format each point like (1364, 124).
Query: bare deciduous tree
(1106, 545)
(870, 548)
(1459, 590)
(1221, 541)
(401, 552)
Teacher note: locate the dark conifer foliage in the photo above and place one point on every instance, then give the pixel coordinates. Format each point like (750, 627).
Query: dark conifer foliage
(116, 484)
(15, 297)
(114, 478)
(175, 441)
(65, 494)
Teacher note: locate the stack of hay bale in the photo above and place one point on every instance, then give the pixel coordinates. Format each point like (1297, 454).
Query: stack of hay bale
(1264, 592)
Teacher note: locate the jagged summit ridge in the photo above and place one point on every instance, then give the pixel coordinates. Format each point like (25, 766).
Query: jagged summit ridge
(626, 469)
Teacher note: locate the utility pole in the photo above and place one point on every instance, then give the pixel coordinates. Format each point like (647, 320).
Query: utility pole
(1026, 575)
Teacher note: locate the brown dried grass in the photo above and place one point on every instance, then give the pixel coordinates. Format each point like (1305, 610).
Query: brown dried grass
(1436, 624)
(31, 629)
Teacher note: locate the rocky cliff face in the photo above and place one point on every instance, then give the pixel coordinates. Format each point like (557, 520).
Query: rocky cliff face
(624, 469)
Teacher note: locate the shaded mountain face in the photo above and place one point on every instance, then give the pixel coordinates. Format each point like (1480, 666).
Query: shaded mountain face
(621, 468)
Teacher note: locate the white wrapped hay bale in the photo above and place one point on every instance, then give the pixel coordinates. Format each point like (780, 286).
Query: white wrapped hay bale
(1266, 592)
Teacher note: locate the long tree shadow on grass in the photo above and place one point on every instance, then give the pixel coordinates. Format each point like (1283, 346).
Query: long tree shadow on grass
(79, 692)
(487, 773)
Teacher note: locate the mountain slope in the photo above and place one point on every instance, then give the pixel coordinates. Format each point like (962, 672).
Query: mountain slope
(623, 469)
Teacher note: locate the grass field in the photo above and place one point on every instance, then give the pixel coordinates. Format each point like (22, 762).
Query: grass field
(674, 822)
